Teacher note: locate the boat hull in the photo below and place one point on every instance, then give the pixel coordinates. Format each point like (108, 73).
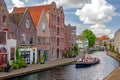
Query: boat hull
(81, 64)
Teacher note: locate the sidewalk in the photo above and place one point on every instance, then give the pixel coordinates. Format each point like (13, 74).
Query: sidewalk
(37, 67)
(115, 75)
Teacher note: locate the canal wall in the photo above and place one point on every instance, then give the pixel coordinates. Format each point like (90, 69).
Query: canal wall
(37, 67)
(115, 75)
(113, 54)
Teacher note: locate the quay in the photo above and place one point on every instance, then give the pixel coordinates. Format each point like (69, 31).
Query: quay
(115, 75)
(37, 67)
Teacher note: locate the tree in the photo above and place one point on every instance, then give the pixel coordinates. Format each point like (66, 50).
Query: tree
(105, 44)
(19, 62)
(76, 48)
(112, 47)
(88, 35)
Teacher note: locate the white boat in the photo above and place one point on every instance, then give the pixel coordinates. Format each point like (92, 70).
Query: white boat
(86, 62)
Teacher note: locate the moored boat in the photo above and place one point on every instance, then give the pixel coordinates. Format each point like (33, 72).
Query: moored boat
(86, 62)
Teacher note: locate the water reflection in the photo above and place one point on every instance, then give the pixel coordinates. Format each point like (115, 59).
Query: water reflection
(96, 72)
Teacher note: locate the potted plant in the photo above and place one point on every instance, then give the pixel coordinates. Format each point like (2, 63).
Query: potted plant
(42, 59)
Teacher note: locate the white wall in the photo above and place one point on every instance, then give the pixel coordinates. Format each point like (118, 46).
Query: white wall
(11, 43)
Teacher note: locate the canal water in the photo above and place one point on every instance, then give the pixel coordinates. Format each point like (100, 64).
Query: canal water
(69, 72)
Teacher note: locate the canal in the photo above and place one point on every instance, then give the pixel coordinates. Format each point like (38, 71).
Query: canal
(69, 72)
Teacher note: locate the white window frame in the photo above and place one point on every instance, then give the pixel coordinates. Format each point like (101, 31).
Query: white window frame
(23, 38)
(31, 36)
(43, 27)
(27, 23)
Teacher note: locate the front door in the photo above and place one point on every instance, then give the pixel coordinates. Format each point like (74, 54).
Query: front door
(58, 53)
(3, 56)
(26, 56)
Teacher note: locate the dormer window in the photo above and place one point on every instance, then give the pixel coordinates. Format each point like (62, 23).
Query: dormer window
(27, 24)
(4, 19)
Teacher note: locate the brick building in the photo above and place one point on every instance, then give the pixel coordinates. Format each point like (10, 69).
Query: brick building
(70, 37)
(36, 30)
(7, 35)
(26, 40)
(55, 21)
(117, 41)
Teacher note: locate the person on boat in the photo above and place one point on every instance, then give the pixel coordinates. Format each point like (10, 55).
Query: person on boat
(80, 60)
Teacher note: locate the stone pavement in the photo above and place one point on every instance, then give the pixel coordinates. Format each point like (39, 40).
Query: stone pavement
(115, 75)
(37, 67)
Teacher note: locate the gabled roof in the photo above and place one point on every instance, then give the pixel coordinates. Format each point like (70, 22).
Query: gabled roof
(35, 11)
(103, 38)
(16, 17)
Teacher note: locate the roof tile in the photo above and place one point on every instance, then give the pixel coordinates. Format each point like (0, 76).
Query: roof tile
(35, 11)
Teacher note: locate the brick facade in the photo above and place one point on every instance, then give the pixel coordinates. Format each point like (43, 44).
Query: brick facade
(70, 37)
(26, 38)
(56, 38)
(7, 35)
(117, 40)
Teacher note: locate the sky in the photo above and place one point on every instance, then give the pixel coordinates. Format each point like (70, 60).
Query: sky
(100, 16)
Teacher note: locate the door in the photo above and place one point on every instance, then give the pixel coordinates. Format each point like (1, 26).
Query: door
(57, 52)
(34, 57)
(3, 56)
(26, 56)
(46, 52)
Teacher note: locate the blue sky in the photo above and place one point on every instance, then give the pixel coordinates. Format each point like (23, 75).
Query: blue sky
(100, 16)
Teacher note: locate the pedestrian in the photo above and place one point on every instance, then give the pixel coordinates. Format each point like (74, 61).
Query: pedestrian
(7, 68)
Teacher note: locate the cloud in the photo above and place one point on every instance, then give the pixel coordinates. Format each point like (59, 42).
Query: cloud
(18, 3)
(98, 11)
(111, 36)
(100, 29)
(26, 1)
(69, 3)
(79, 27)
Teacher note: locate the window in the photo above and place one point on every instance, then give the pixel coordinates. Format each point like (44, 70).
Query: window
(12, 53)
(57, 41)
(58, 21)
(26, 56)
(11, 35)
(52, 51)
(38, 39)
(31, 39)
(44, 40)
(23, 38)
(2, 37)
(43, 27)
(4, 19)
(48, 40)
(27, 24)
(58, 31)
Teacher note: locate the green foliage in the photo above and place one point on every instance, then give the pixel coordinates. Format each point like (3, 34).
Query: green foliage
(105, 44)
(71, 53)
(17, 54)
(76, 48)
(19, 62)
(15, 65)
(112, 47)
(41, 59)
(88, 35)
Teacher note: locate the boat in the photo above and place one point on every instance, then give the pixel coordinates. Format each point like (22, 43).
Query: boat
(87, 62)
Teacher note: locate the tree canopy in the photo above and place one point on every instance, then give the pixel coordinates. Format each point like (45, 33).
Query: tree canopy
(88, 35)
